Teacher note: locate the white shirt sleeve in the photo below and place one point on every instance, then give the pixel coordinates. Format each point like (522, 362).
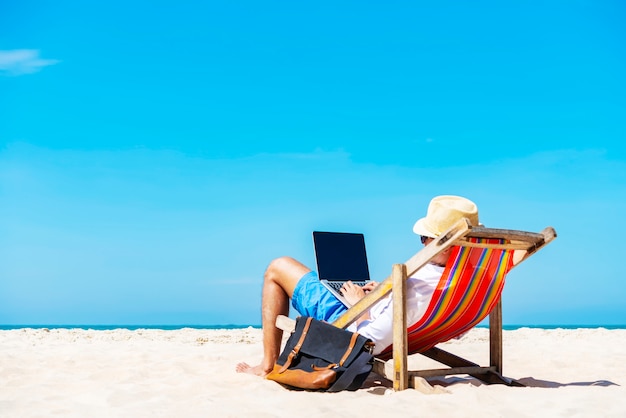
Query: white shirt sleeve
(420, 288)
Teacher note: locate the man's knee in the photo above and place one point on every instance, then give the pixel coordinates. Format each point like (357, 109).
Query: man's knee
(286, 272)
(280, 266)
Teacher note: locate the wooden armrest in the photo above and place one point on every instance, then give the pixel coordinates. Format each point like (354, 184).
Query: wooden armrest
(285, 323)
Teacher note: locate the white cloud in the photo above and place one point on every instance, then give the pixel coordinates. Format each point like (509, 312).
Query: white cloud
(22, 61)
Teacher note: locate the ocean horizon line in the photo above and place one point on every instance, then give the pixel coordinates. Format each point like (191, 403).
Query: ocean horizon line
(135, 327)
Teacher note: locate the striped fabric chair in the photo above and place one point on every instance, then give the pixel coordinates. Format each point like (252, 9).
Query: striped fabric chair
(468, 291)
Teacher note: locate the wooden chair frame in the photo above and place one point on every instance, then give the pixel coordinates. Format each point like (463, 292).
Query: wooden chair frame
(524, 244)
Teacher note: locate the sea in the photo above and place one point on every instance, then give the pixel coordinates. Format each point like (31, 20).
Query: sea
(128, 327)
(175, 327)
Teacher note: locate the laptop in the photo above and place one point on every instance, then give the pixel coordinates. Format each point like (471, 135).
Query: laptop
(340, 256)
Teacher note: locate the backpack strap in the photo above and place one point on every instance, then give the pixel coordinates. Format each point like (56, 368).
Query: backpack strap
(350, 348)
(296, 349)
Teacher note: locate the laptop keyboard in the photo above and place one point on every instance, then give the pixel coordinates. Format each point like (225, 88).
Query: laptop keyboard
(337, 285)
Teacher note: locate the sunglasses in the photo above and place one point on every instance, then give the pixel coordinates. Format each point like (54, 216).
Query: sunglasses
(423, 239)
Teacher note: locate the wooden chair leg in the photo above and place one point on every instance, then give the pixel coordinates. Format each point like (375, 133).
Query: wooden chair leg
(495, 337)
(400, 360)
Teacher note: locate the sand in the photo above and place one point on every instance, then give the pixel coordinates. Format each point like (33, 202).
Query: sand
(190, 373)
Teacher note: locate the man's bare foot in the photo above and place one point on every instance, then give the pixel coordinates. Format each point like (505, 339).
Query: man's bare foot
(246, 368)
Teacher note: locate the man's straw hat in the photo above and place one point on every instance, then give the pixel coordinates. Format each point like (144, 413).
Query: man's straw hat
(443, 212)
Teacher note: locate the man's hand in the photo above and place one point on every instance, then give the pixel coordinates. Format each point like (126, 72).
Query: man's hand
(369, 286)
(354, 293)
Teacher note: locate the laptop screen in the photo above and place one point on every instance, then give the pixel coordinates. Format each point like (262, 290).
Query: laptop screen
(340, 256)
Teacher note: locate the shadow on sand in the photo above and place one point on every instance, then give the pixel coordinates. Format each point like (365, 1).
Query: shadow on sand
(378, 385)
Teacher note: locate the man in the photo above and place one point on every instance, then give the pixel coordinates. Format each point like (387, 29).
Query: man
(286, 278)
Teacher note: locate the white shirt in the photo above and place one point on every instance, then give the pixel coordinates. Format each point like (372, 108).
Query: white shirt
(419, 290)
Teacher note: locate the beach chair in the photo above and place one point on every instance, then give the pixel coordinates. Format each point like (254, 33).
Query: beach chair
(468, 291)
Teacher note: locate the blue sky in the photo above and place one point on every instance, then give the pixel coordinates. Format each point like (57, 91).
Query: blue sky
(155, 156)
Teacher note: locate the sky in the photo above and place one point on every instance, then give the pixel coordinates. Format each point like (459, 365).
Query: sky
(156, 156)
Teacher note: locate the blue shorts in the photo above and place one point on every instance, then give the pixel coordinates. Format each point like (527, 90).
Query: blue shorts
(311, 298)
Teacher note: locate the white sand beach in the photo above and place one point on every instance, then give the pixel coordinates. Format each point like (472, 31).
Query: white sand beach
(190, 373)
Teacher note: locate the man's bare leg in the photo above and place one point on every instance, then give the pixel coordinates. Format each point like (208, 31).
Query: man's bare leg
(279, 281)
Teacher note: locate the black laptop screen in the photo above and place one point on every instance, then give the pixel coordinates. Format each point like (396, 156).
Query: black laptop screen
(340, 256)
